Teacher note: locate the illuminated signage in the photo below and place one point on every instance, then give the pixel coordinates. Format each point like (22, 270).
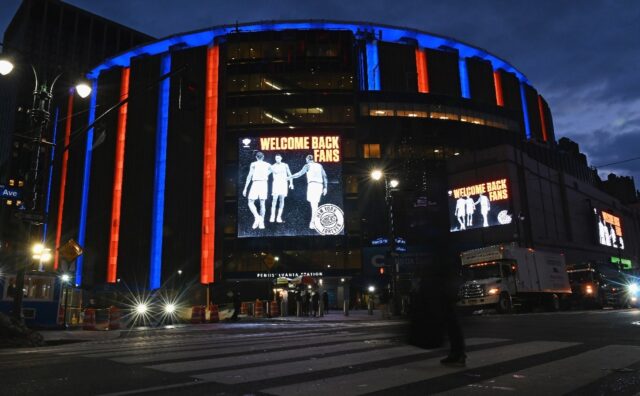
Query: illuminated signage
(609, 229)
(290, 186)
(480, 205)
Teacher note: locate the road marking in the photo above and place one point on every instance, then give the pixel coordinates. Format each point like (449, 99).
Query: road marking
(557, 377)
(380, 379)
(261, 357)
(312, 365)
(258, 346)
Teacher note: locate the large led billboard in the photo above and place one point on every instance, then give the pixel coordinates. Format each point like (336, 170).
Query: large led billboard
(479, 205)
(609, 229)
(290, 186)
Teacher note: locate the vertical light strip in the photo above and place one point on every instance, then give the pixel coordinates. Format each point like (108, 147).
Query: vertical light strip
(373, 70)
(48, 200)
(118, 171)
(362, 81)
(157, 216)
(525, 111)
(209, 169)
(497, 83)
(544, 126)
(421, 68)
(63, 178)
(464, 78)
(86, 176)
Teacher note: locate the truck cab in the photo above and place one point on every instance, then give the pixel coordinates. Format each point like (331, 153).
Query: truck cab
(504, 276)
(597, 285)
(489, 283)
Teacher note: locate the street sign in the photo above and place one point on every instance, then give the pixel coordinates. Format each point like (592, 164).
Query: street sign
(379, 242)
(400, 241)
(13, 193)
(31, 217)
(70, 251)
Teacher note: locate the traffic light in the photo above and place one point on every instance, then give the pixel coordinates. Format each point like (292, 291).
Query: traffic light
(381, 270)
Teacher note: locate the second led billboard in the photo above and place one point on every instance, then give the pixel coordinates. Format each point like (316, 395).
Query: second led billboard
(479, 205)
(290, 186)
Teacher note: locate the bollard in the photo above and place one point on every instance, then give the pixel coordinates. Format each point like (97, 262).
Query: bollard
(283, 308)
(298, 309)
(321, 308)
(345, 307)
(370, 307)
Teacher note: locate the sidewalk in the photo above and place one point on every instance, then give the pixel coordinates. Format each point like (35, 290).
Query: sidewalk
(78, 335)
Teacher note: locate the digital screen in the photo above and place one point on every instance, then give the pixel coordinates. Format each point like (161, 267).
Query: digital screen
(609, 229)
(479, 205)
(290, 186)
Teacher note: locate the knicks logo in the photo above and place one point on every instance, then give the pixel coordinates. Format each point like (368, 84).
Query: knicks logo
(329, 220)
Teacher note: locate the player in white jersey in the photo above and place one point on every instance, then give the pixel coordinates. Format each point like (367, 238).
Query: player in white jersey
(485, 207)
(258, 176)
(279, 187)
(316, 184)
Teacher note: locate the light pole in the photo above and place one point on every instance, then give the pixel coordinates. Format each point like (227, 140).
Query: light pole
(65, 279)
(39, 115)
(389, 186)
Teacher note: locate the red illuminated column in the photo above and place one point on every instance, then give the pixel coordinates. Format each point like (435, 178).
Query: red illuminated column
(497, 82)
(421, 68)
(112, 264)
(209, 169)
(544, 125)
(63, 178)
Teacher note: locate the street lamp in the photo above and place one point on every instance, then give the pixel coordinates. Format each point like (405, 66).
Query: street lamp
(66, 279)
(39, 116)
(389, 186)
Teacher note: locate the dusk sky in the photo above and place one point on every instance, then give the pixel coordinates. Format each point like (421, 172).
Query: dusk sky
(582, 56)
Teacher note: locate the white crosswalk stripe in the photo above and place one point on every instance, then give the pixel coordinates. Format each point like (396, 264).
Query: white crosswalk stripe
(560, 376)
(350, 361)
(380, 379)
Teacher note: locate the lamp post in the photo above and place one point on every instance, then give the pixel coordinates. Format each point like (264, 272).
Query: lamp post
(65, 279)
(389, 186)
(39, 116)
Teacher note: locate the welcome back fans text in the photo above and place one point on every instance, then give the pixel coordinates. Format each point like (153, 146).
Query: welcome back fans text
(324, 148)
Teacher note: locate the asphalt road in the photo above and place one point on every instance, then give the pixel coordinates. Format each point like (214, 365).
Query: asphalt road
(578, 352)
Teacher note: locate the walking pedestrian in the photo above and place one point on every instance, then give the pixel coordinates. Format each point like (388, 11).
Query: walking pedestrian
(325, 301)
(236, 305)
(315, 301)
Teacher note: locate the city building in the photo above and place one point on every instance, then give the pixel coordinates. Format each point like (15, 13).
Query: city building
(239, 154)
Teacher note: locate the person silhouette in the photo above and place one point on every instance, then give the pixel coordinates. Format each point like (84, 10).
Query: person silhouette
(316, 184)
(258, 176)
(280, 172)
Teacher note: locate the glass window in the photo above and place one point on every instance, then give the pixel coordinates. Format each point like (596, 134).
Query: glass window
(351, 184)
(371, 150)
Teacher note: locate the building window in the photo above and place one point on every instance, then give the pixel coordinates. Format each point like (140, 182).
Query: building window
(371, 150)
(351, 184)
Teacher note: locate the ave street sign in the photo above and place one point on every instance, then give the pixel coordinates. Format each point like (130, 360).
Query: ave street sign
(10, 192)
(31, 217)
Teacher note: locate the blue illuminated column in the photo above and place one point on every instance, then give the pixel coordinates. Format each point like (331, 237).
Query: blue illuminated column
(157, 217)
(525, 111)
(464, 78)
(53, 151)
(373, 70)
(86, 176)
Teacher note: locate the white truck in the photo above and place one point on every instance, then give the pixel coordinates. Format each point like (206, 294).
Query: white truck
(508, 276)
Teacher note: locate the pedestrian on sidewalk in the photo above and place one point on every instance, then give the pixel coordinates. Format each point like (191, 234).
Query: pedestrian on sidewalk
(315, 301)
(325, 301)
(236, 305)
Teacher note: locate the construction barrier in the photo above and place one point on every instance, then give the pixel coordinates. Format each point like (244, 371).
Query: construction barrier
(60, 315)
(258, 311)
(198, 314)
(275, 309)
(115, 315)
(89, 319)
(214, 316)
(244, 308)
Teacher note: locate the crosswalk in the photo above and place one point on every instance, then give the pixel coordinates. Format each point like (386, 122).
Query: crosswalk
(353, 360)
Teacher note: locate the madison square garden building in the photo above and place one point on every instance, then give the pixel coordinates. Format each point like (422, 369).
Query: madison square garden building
(244, 152)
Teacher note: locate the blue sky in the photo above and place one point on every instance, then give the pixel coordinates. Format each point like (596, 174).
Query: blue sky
(583, 57)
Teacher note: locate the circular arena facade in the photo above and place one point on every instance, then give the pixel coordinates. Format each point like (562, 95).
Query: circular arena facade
(244, 151)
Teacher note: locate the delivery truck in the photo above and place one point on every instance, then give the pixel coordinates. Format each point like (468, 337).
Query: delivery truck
(506, 276)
